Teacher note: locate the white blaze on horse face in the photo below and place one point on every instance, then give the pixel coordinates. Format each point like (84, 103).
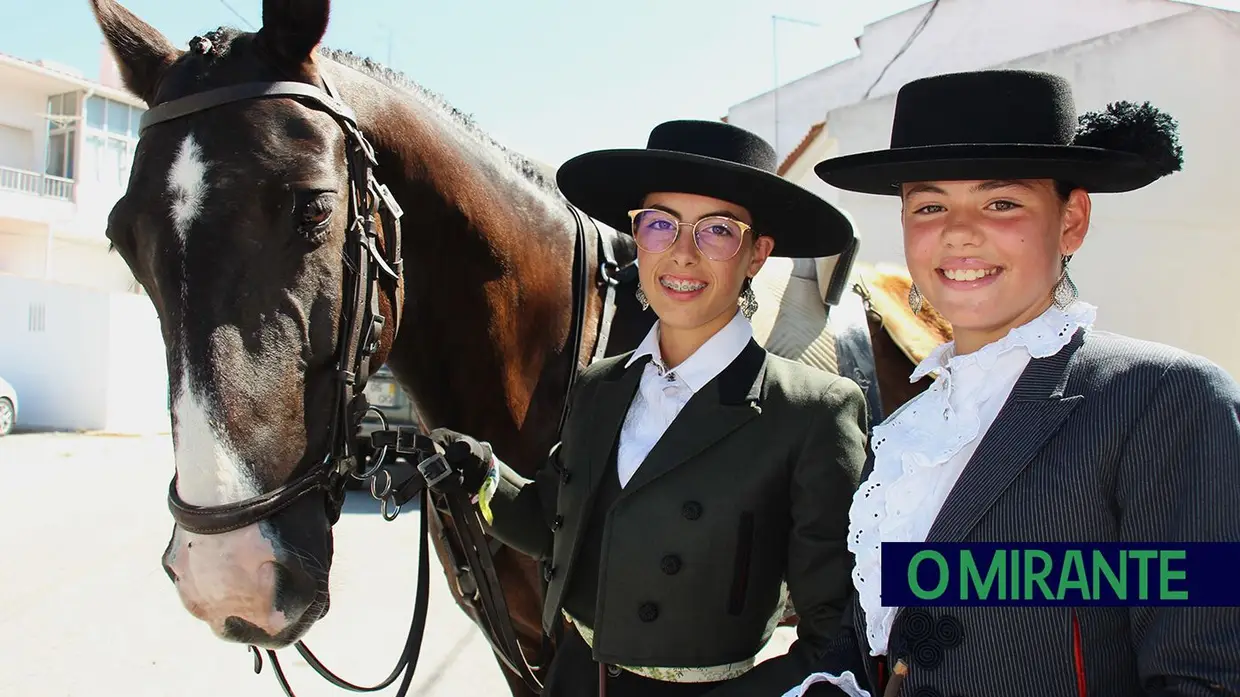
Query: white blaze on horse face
(209, 471)
(187, 185)
(229, 574)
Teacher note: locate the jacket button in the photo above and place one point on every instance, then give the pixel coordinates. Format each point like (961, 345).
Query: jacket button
(948, 631)
(648, 612)
(691, 510)
(565, 476)
(557, 523)
(671, 564)
(548, 572)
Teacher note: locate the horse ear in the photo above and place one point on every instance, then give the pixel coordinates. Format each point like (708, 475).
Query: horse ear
(142, 53)
(292, 28)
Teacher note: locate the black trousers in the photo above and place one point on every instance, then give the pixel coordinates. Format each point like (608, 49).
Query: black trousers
(573, 673)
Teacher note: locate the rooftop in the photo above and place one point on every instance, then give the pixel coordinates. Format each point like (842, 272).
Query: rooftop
(70, 77)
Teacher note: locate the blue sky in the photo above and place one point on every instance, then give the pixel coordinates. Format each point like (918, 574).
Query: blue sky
(550, 78)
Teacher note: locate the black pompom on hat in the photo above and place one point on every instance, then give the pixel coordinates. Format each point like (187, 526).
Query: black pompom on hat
(1142, 130)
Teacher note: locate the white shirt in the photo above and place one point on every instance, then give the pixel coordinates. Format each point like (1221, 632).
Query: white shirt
(922, 448)
(659, 398)
(663, 393)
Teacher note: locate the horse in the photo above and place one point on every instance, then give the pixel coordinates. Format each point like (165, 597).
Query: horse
(299, 216)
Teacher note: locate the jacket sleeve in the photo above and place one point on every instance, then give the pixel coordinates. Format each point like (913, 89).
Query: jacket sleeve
(819, 574)
(1179, 481)
(522, 509)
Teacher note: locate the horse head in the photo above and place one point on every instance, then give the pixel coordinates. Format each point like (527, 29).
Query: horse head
(237, 221)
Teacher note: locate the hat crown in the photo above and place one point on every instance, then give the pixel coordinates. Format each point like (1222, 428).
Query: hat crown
(715, 139)
(993, 107)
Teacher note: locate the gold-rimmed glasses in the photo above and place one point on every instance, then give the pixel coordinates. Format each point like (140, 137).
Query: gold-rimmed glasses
(718, 237)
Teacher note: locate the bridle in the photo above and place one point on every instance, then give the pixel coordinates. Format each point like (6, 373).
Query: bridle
(369, 269)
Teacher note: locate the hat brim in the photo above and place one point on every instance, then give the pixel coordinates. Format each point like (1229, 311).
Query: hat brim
(607, 184)
(882, 171)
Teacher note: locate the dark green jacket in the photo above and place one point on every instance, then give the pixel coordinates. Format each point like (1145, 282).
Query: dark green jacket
(749, 486)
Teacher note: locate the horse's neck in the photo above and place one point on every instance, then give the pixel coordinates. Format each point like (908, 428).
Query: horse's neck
(487, 294)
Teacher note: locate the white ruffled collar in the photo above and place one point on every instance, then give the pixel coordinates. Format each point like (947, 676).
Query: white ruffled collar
(912, 445)
(1042, 336)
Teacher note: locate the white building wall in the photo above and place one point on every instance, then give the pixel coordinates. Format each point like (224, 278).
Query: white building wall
(89, 264)
(82, 359)
(98, 191)
(16, 147)
(23, 249)
(137, 375)
(1159, 262)
(46, 328)
(21, 108)
(961, 35)
(43, 210)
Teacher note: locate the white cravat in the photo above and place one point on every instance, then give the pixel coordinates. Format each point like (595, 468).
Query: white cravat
(663, 393)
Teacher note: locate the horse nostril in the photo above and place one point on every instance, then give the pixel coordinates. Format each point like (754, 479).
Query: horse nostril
(244, 632)
(283, 584)
(172, 575)
(294, 588)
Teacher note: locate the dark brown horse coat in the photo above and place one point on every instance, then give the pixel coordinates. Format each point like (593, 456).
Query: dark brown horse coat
(749, 486)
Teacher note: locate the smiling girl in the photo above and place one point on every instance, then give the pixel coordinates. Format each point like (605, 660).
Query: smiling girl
(697, 475)
(1038, 428)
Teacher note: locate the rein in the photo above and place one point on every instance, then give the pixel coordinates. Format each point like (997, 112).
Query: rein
(368, 270)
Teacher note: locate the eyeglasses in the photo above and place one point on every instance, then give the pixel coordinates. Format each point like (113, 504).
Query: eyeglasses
(718, 237)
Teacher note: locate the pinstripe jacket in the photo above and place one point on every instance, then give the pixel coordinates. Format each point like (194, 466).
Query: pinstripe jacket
(1111, 439)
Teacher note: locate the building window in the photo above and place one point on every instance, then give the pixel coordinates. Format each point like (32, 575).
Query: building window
(104, 114)
(118, 118)
(62, 119)
(118, 154)
(96, 114)
(112, 134)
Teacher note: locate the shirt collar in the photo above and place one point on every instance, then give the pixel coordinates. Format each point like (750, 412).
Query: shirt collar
(708, 361)
(1042, 336)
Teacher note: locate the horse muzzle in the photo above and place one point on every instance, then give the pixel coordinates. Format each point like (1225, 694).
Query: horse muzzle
(246, 585)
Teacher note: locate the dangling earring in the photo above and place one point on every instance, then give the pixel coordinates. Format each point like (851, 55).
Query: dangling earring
(748, 301)
(641, 298)
(915, 299)
(1065, 290)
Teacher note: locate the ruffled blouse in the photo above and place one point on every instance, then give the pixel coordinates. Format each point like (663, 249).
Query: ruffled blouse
(922, 448)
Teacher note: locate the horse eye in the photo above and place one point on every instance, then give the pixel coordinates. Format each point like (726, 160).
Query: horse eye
(313, 213)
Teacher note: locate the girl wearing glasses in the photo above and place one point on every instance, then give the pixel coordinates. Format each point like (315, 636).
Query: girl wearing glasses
(698, 476)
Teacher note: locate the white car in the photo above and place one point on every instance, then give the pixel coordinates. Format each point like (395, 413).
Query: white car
(8, 408)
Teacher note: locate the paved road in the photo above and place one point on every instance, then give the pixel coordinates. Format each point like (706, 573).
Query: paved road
(86, 610)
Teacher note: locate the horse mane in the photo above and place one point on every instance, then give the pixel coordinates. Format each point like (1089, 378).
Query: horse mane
(220, 40)
(401, 82)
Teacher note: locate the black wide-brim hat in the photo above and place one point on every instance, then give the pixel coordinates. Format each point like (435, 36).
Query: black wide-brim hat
(1011, 124)
(707, 158)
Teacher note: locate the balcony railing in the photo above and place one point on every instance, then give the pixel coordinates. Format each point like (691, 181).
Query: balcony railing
(45, 185)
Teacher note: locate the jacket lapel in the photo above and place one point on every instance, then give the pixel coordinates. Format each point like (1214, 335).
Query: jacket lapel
(1034, 411)
(611, 404)
(720, 407)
